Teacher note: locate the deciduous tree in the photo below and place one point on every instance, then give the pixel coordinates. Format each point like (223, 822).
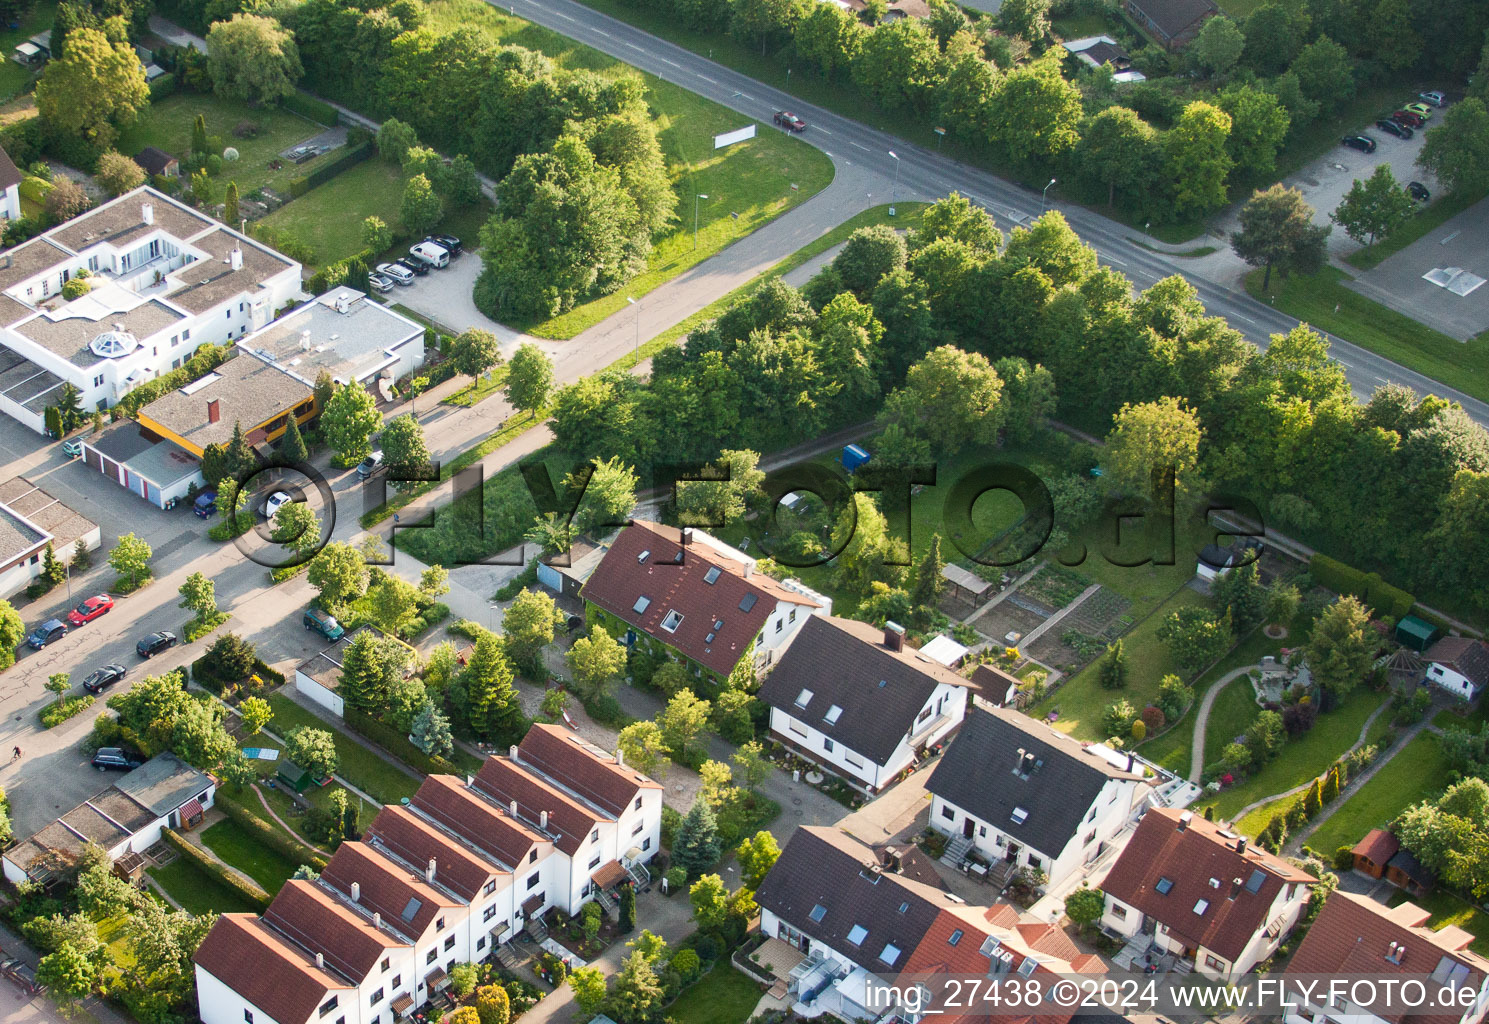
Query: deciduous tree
(595, 659)
(131, 560)
(1198, 159)
(1154, 437)
(118, 173)
(529, 379)
(312, 749)
(475, 352)
(93, 89)
(1277, 230)
(348, 423)
(404, 451)
(252, 57)
(1457, 151)
(340, 573)
(421, 208)
(1375, 207)
(1341, 646)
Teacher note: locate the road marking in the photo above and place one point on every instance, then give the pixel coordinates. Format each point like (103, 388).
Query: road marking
(562, 15)
(1248, 319)
(1381, 379)
(635, 47)
(824, 131)
(1111, 259)
(859, 145)
(710, 81)
(1454, 235)
(669, 63)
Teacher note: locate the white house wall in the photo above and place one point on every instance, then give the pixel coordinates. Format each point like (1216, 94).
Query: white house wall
(219, 1004)
(1450, 679)
(313, 690)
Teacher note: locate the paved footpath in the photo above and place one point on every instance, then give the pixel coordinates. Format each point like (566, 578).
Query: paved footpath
(1202, 718)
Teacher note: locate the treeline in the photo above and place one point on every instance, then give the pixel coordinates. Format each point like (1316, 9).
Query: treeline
(959, 336)
(1162, 149)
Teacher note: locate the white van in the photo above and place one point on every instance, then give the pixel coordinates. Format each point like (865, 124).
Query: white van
(436, 256)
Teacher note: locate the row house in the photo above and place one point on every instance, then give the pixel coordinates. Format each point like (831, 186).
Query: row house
(444, 880)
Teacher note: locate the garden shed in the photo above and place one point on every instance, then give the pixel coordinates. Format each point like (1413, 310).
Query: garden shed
(1418, 634)
(293, 776)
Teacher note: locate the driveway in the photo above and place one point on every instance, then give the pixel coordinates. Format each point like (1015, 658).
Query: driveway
(446, 297)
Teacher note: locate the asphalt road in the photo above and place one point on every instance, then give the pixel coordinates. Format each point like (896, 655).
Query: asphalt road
(916, 173)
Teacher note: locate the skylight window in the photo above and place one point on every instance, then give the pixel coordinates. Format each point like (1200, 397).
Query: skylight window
(748, 601)
(803, 698)
(1019, 815)
(1164, 885)
(718, 623)
(818, 913)
(1254, 883)
(833, 714)
(1028, 966)
(956, 937)
(712, 576)
(709, 639)
(413, 908)
(672, 620)
(904, 907)
(857, 934)
(1202, 906)
(989, 947)
(891, 954)
(643, 556)
(642, 603)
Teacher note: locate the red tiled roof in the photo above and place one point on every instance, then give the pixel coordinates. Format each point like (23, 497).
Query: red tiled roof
(1191, 857)
(583, 768)
(468, 813)
(568, 820)
(1377, 847)
(394, 890)
(673, 577)
(1354, 935)
(325, 923)
(267, 970)
(458, 867)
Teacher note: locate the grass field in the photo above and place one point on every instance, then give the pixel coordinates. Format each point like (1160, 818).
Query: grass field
(723, 996)
(197, 891)
(167, 125)
(236, 846)
(1417, 772)
(747, 184)
(13, 77)
(1383, 331)
(368, 771)
(1301, 759)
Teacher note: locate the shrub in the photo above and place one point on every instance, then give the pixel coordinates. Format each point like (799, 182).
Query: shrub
(1344, 859)
(165, 85)
(677, 880)
(231, 154)
(246, 129)
(1153, 719)
(1139, 730)
(63, 708)
(214, 868)
(1381, 596)
(397, 744)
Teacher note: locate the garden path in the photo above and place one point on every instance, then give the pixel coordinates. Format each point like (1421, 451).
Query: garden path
(1202, 718)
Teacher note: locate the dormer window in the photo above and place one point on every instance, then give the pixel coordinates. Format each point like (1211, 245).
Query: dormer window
(672, 620)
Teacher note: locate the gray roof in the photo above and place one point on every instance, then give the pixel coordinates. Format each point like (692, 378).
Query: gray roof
(977, 774)
(845, 664)
(16, 536)
(164, 464)
(163, 783)
(26, 383)
(1174, 16)
(28, 260)
(10, 174)
(350, 345)
(120, 442)
(153, 160)
(210, 282)
(122, 221)
(248, 390)
(69, 336)
(64, 524)
(829, 869)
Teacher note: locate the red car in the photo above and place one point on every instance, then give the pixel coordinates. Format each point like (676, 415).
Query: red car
(1408, 118)
(90, 610)
(790, 121)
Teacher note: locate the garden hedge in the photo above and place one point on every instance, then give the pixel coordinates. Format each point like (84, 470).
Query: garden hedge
(395, 743)
(1384, 598)
(333, 274)
(214, 868)
(163, 86)
(267, 834)
(308, 106)
(324, 173)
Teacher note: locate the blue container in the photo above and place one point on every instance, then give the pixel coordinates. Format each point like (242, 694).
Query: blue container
(853, 457)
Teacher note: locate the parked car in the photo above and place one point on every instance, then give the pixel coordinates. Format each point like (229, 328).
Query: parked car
(22, 975)
(396, 273)
(380, 283)
(115, 758)
(72, 449)
(1401, 131)
(1433, 97)
(449, 243)
(370, 465)
(48, 632)
(790, 121)
(323, 623)
(276, 501)
(1420, 109)
(101, 679)
(90, 610)
(1408, 118)
(155, 643)
(1364, 143)
(1419, 192)
(430, 253)
(205, 505)
(412, 266)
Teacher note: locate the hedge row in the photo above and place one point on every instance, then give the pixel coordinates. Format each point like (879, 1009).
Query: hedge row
(208, 680)
(214, 868)
(306, 105)
(395, 743)
(1368, 587)
(333, 274)
(267, 834)
(207, 358)
(324, 173)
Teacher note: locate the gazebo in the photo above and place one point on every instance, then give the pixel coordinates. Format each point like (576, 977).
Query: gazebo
(966, 586)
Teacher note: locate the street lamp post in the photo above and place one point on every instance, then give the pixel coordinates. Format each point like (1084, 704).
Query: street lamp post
(696, 196)
(894, 188)
(638, 321)
(1044, 195)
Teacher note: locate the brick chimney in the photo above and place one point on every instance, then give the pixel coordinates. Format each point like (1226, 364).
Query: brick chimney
(214, 411)
(894, 636)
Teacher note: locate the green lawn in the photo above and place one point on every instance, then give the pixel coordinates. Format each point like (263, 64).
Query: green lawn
(379, 778)
(1447, 909)
(1473, 720)
(1301, 759)
(167, 125)
(1368, 324)
(747, 184)
(723, 996)
(197, 891)
(13, 77)
(1437, 213)
(236, 846)
(1417, 772)
(1079, 26)
(1082, 700)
